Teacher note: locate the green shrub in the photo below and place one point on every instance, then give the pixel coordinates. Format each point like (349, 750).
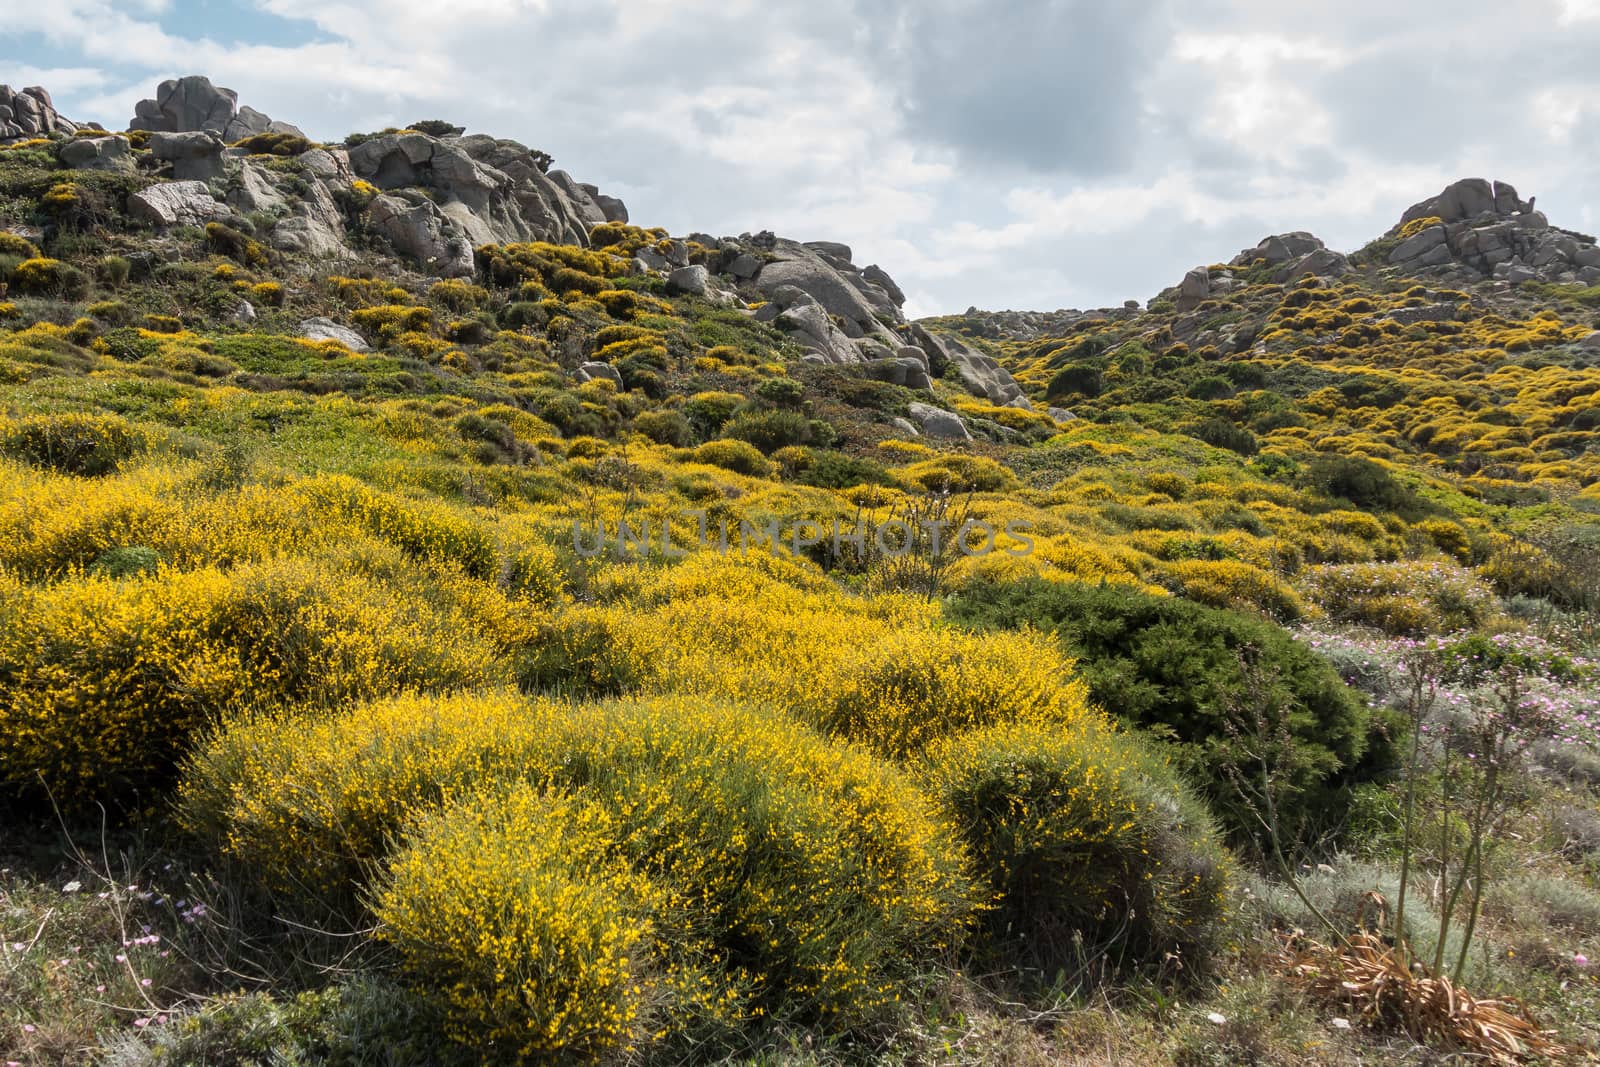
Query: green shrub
(524, 314)
(1174, 666)
(357, 1023)
(770, 430)
(1361, 481)
(1094, 854)
(1224, 433)
(707, 412)
(126, 562)
(737, 456)
(839, 470)
(74, 443)
(226, 241)
(664, 427)
(1078, 380)
(1211, 387)
(782, 392)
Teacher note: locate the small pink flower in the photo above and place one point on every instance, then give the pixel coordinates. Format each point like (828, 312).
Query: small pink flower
(28, 1028)
(141, 1022)
(145, 982)
(1580, 960)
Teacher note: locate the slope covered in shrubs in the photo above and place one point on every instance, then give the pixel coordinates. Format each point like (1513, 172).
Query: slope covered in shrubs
(569, 666)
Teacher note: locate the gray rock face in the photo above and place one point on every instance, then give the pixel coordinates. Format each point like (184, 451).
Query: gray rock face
(191, 103)
(1280, 248)
(327, 164)
(1061, 415)
(979, 374)
(1419, 244)
(1468, 198)
(875, 275)
(421, 231)
(1323, 263)
(896, 370)
(1194, 290)
(315, 228)
(97, 153)
(254, 191)
(689, 281)
(588, 372)
(807, 272)
(810, 325)
(488, 191)
(244, 311)
(321, 329)
(613, 209)
(29, 113)
(176, 204)
(195, 155)
(1488, 230)
(939, 424)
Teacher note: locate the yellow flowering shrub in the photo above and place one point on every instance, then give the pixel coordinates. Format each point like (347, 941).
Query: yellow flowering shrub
(1230, 583)
(108, 681)
(510, 909)
(389, 322)
(1087, 844)
(797, 877)
(958, 474)
(424, 528)
(49, 277)
(12, 244)
(899, 694)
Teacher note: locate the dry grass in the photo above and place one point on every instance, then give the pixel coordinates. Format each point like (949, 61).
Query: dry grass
(1382, 992)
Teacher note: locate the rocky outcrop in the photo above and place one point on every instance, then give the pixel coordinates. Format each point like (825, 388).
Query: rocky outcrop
(1476, 229)
(195, 155)
(978, 373)
(184, 105)
(1469, 198)
(416, 227)
(805, 320)
(254, 191)
(29, 113)
(97, 153)
(588, 372)
(939, 424)
(176, 204)
(904, 371)
(1280, 249)
(823, 270)
(322, 329)
(487, 191)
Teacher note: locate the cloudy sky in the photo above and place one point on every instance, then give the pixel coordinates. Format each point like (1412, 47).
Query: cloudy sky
(1005, 153)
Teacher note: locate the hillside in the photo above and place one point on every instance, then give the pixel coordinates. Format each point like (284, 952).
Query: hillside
(443, 620)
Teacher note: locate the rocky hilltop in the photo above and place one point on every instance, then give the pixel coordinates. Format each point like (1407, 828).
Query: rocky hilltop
(431, 194)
